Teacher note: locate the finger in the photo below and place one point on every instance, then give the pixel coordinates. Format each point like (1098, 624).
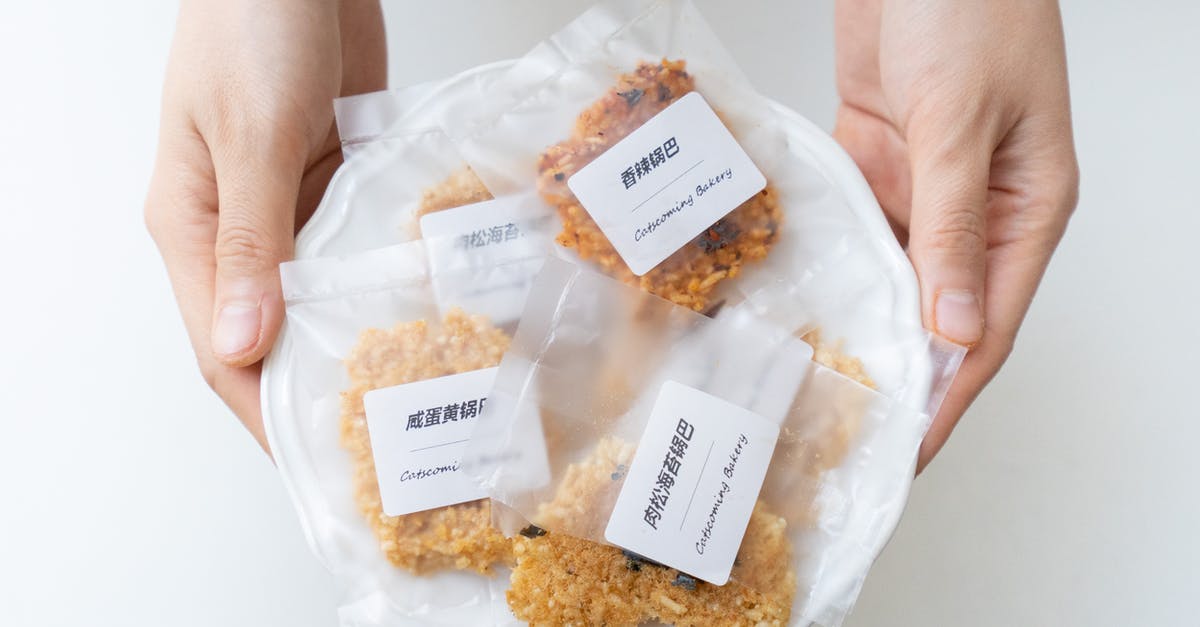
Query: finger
(977, 369)
(1015, 268)
(881, 154)
(1035, 189)
(239, 388)
(364, 40)
(1013, 273)
(181, 216)
(316, 179)
(258, 178)
(947, 229)
(856, 26)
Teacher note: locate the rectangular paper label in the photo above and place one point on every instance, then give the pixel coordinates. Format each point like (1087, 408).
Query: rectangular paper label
(664, 183)
(693, 483)
(418, 432)
(483, 256)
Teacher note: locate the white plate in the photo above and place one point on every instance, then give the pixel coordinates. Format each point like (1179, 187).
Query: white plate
(353, 217)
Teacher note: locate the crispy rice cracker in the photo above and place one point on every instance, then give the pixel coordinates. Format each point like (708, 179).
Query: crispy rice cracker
(457, 536)
(560, 579)
(462, 187)
(689, 276)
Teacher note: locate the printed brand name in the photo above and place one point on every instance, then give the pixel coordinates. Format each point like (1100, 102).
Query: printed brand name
(656, 157)
(707, 531)
(424, 473)
(669, 473)
(677, 207)
(451, 412)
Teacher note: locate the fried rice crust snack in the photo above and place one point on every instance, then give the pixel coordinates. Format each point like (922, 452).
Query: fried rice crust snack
(453, 537)
(462, 187)
(690, 275)
(560, 579)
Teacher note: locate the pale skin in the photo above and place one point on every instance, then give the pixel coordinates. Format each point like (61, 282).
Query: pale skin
(247, 144)
(956, 111)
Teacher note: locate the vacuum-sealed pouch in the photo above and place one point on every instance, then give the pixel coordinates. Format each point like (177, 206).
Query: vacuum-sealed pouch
(635, 125)
(891, 351)
(384, 365)
(398, 166)
(857, 424)
(658, 465)
(620, 419)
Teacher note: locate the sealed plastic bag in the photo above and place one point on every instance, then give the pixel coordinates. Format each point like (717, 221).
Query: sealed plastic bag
(382, 369)
(847, 450)
(866, 319)
(623, 88)
(596, 368)
(852, 438)
(399, 165)
(704, 468)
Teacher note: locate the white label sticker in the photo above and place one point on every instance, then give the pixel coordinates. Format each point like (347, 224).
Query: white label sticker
(498, 243)
(418, 432)
(693, 483)
(664, 183)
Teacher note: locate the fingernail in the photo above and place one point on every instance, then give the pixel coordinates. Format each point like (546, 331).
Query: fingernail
(237, 328)
(958, 317)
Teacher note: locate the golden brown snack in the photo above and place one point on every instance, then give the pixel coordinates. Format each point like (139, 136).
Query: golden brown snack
(462, 187)
(830, 355)
(563, 580)
(689, 276)
(821, 425)
(588, 486)
(560, 579)
(458, 536)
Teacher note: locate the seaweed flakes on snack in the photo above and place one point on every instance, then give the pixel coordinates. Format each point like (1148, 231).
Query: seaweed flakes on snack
(690, 275)
(562, 579)
(452, 537)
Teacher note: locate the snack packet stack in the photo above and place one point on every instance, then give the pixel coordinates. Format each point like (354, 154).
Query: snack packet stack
(598, 336)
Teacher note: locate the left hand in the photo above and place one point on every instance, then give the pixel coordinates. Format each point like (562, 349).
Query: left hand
(957, 112)
(247, 146)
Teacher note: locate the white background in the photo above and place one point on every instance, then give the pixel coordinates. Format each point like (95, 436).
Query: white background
(129, 496)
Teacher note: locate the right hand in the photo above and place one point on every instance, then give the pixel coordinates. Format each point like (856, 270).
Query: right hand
(247, 145)
(959, 116)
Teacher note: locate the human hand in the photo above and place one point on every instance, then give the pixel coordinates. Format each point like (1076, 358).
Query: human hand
(246, 147)
(958, 114)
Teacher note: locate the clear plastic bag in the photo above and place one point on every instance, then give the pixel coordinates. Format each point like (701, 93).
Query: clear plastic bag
(388, 317)
(832, 265)
(857, 425)
(596, 82)
(907, 363)
(399, 165)
(573, 398)
(535, 104)
(830, 271)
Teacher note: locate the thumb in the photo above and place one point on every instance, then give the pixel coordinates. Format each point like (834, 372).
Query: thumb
(257, 186)
(948, 234)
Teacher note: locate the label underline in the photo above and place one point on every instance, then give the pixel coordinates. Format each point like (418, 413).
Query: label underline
(697, 488)
(669, 183)
(426, 448)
